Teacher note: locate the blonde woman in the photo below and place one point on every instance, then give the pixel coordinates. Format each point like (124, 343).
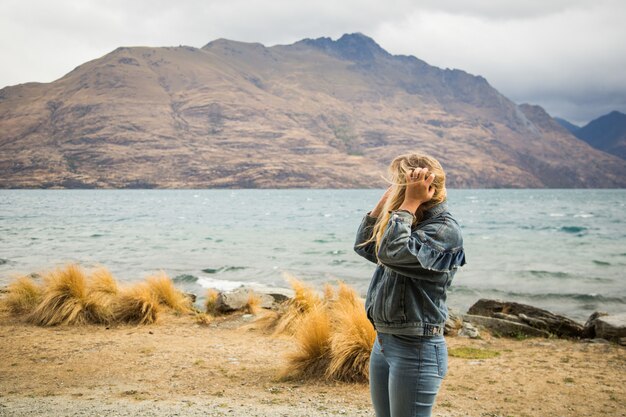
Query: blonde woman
(417, 247)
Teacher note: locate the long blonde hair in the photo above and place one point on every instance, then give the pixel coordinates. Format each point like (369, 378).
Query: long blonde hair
(398, 169)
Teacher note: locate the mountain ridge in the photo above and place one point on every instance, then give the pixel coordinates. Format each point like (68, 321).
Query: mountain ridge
(236, 114)
(607, 133)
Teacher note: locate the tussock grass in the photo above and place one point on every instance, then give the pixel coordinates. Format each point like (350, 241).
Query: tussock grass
(102, 291)
(64, 298)
(253, 304)
(352, 338)
(333, 336)
(305, 299)
(22, 297)
(312, 354)
(137, 305)
(203, 319)
(329, 293)
(166, 293)
(210, 303)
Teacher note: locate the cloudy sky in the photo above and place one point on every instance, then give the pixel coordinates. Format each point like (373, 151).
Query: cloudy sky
(568, 56)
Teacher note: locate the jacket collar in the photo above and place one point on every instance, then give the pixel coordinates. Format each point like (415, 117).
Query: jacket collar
(435, 210)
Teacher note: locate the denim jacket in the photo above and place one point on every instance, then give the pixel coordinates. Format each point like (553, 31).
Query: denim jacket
(415, 267)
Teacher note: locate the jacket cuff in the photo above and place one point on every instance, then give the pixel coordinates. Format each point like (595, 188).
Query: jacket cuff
(369, 219)
(402, 216)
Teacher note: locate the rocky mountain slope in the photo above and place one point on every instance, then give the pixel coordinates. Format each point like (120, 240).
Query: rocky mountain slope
(607, 133)
(317, 113)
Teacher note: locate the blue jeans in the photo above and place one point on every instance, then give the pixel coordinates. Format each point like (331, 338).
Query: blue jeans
(405, 374)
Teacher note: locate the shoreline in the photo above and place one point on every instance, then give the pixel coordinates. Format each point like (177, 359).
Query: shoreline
(230, 369)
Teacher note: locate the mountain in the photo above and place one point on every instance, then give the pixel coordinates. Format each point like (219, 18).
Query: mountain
(607, 133)
(316, 113)
(570, 127)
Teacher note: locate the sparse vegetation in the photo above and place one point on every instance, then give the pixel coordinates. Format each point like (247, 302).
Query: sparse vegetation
(166, 293)
(101, 293)
(203, 319)
(333, 337)
(311, 357)
(253, 305)
(137, 305)
(210, 303)
(472, 353)
(70, 296)
(305, 299)
(23, 295)
(64, 298)
(352, 338)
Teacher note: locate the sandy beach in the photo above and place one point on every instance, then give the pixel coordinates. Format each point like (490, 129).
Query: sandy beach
(227, 368)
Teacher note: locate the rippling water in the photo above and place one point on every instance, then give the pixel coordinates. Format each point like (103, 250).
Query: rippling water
(559, 249)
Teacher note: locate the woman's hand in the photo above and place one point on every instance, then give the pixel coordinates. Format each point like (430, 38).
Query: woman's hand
(381, 202)
(418, 189)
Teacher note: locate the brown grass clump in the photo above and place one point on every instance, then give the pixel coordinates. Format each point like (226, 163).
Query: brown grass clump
(137, 305)
(329, 293)
(312, 355)
(210, 303)
(166, 293)
(253, 304)
(102, 290)
(352, 339)
(64, 298)
(203, 319)
(22, 297)
(305, 299)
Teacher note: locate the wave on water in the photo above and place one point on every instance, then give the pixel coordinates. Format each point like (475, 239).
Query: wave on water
(185, 278)
(223, 269)
(213, 283)
(573, 229)
(567, 275)
(592, 297)
(583, 215)
(601, 263)
(549, 274)
(3, 261)
(221, 284)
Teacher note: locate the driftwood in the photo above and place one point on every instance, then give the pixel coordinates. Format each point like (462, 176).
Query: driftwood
(532, 316)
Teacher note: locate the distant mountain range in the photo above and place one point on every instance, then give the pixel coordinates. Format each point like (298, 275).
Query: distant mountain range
(607, 133)
(316, 113)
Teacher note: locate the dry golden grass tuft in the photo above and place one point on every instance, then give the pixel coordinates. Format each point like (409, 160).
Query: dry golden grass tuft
(352, 338)
(203, 319)
(102, 291)
(333, 336)
(64, 298)
(312, 355)
(253, 304)
(137, 305)
(305, 299)
(329, 293)
(22, 297)
(166, 293)
(210, 303)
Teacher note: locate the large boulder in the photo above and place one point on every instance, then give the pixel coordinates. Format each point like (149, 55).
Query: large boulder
(229, 301)
(453, 324)
(589, 329)
(531, 316)
(505, 327)
(611, 327)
